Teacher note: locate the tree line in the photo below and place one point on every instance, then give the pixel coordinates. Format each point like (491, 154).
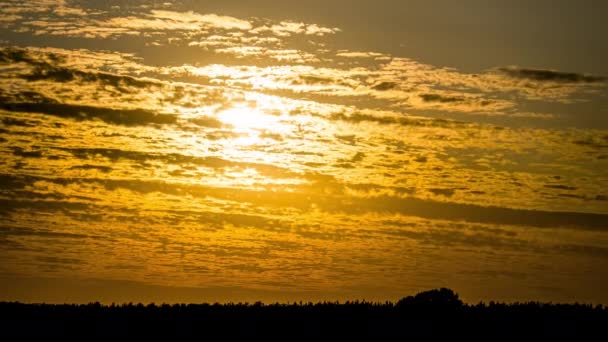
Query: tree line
(438, 312)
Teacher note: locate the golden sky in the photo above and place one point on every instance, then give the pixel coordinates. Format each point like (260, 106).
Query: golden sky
(188, 152)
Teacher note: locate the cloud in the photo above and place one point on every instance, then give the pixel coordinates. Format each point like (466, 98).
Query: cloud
(360, 54)
(236, 41)
(443, 192)
(317, 30)
(479, 214)
(358, 157)
(18, 151)
(594, 251)
(400, 83)
(181, 159)
(296, 56)
(212, 20)
(542, 75)
(160, 20)
(559, 187)
(70, 93)
(127, 117)
(17, 122)
(24, 231)
(455, 102)
(206, 121)
(61, 74)
(595, 142)
(288, 28)
(412, 76)
(383, 86)
(295, 78)
(291, 55)
(154, 21)
(314, 79)
(9, 18)
(440, 98)
(534, 115)
(52, 80)
(57, 7)
(400, 120)
(81, 60)
(262, 143)
(123, 25)
(101, 168)
(66, 262)
(158, 27)
(354, 205)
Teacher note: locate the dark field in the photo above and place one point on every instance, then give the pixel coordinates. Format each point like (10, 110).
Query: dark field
(432, 313)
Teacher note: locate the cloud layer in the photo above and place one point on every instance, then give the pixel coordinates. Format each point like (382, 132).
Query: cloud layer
(209, 151)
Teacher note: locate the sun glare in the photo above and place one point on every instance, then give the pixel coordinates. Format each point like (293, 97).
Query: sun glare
(243, 118)
(258, 113)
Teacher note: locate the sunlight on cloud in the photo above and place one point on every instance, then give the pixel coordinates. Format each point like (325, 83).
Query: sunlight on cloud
(287, 28)
(360, 54)
(201, 149)
(213, 20)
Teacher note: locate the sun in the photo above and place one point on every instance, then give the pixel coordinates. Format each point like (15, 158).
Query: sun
(257, 113)
(244, 118)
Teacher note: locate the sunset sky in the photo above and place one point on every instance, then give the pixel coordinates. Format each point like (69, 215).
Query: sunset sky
(232, 150)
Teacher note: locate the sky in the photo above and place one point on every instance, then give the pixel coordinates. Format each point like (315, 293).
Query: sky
(225, 151)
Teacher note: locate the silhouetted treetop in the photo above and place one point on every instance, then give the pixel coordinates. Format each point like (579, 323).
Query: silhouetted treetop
(441, 298)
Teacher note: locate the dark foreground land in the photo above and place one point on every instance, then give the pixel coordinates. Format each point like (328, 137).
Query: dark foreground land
(432, 313)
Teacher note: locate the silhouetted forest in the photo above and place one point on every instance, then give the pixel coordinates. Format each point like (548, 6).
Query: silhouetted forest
(432, 313)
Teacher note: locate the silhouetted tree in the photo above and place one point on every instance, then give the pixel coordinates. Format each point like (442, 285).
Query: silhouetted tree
(442, 298)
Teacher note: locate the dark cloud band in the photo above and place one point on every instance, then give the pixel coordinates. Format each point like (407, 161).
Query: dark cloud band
(542, 75)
